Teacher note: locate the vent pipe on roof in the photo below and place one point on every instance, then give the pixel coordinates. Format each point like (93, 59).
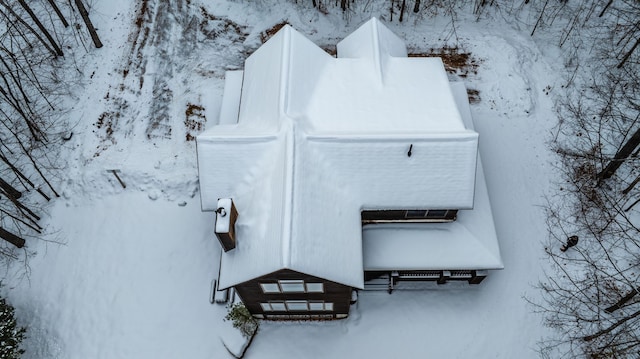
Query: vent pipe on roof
(226, 216)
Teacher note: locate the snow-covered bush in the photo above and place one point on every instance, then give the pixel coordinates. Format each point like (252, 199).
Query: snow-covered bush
(10, 334)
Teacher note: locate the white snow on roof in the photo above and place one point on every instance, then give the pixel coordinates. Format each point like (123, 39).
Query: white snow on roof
(231, 98)
(319, 138)
(470, 242)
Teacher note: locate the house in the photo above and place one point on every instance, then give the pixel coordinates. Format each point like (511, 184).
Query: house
(333, 174)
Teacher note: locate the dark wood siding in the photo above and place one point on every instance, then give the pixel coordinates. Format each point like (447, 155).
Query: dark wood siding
(252, 295)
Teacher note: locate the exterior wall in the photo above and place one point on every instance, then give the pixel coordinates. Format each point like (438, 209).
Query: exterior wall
(252, 295)
(388, 280)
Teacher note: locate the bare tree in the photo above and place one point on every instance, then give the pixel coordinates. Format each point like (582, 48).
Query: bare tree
(58, 12)
(625, 151)
(590, 298)
(30, 132)
(44, 30)
(88, 23)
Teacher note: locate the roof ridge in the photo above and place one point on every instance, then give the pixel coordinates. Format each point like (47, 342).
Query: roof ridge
(377, 54)
(286, 130)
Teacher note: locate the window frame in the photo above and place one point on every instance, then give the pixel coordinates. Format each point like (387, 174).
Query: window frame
(314, 284)
(306, 287)
(291, 285)
(303, 305)
(266, 291)
(416, 213)
(271, 306)
(325, 306)
(296, 305)
(409, 215)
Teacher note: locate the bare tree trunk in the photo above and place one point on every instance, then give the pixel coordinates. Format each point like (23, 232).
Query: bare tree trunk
(33, 31)
(632, 205)
(41, 27)
(391, 11)
(16, 170)
(539, 18)
(11, 99)
(619, 158)
(22, 208)
(416, 6)
(59, 13)
(612, 327)
(89, 24)
(35, 166)
(630, 187)
(404, 3)
(605, 8)
(35, 227)
(9, 189)
(24, 178)
(622, 301)
(11, 238)
(628, 54)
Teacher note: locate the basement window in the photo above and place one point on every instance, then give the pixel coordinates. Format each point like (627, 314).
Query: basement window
(413, 215)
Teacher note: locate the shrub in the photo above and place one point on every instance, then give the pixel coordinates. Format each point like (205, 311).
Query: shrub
(243, 320)
(10, 334)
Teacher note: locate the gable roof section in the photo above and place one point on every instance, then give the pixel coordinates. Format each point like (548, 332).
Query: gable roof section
(470, 242)
(318, 139)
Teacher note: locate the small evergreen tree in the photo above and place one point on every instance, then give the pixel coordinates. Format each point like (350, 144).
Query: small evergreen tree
(243, 320)
(10, 335)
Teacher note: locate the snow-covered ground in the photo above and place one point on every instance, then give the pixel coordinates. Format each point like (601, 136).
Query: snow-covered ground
(132, 277)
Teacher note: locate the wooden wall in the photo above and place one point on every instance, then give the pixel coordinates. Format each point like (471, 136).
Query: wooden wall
(252, 295)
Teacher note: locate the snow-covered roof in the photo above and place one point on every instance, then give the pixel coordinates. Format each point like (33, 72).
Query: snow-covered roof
(317, 139)
(470, 242)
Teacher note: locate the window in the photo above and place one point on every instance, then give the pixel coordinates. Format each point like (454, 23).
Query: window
(315, 288)
(320, 306)
(417, 215)
(432, 214)
(292, 286)
(437, 213)
(382, 215)
(270, 288)
(296, 306)
(273, 306)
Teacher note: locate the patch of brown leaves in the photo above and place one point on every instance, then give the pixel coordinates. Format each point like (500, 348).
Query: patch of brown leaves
(194, 120)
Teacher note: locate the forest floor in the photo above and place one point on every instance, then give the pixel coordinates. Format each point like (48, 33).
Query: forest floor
(132, 276)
